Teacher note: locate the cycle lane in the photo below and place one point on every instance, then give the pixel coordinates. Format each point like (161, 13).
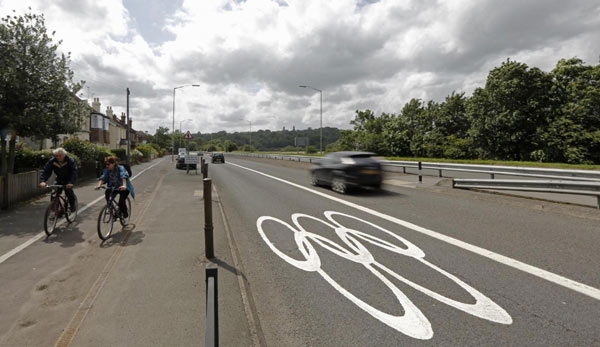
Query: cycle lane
(155, 293)
(43, 283)
(310, 311)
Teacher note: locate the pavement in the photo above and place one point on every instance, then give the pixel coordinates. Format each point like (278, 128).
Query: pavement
(143, 287)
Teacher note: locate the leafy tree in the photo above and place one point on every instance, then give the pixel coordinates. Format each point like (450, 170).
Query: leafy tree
(507, 115)
(161, 137)
(37, 92)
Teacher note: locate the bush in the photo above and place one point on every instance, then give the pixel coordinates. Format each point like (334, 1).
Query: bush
(136, 156)
(31, 160)
(147, 151)
(292, 149)
(85, 150)
(248, 148)
(121, 153)
(311, 149)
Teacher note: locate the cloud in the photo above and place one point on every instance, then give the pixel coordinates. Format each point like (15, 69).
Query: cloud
(250, 56)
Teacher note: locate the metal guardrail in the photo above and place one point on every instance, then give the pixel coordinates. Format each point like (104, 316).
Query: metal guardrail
(543, 186)
(212, 306)
(492, 170)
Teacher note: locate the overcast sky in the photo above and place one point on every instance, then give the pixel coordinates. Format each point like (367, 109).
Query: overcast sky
(250, 56)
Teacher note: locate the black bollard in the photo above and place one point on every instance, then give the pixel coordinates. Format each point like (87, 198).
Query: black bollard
(208, 222)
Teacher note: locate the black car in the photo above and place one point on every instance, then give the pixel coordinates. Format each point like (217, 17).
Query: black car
(344, 170)
(181, 164)
(218, 157)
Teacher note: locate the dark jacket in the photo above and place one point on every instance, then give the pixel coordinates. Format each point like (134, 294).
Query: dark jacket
(66, 172)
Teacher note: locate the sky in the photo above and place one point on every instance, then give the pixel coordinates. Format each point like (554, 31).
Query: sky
(249, 57)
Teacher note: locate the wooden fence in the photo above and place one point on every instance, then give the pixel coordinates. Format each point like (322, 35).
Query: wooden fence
(25, 185)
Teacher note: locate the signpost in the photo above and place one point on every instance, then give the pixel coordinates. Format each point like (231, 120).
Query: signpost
(191, 159)
(188, 136)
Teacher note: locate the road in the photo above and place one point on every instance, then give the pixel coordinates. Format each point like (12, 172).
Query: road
(303, 266)
(337, 298)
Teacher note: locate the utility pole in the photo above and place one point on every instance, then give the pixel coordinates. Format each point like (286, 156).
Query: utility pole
(128, 137)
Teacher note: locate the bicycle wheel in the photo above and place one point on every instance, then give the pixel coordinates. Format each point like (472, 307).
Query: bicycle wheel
(105, 223)
(125, 221)
(71, 216)
(50, 218)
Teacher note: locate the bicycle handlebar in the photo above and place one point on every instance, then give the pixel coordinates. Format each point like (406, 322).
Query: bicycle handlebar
(54, 186)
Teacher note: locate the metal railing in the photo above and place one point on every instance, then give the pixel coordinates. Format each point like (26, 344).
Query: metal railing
(542, 186)
(492, 170)
(212, 306)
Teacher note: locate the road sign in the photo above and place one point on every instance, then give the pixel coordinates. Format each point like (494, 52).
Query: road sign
(192, 159)
(188, 135)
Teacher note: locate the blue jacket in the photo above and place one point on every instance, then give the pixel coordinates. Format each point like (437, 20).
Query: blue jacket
(123, 174)
(66, 172)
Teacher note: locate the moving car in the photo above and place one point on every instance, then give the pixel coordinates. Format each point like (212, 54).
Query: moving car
(345, 170)
(218, 157)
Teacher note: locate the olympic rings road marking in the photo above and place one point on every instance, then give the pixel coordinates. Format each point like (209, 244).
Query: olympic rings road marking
(413, 323)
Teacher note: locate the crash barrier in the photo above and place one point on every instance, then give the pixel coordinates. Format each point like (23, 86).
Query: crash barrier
(492, 170)
(212, 306)
(208, 221)
(543, 186)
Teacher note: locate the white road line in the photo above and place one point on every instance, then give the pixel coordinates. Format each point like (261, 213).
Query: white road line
(532, 270)
(28, 243)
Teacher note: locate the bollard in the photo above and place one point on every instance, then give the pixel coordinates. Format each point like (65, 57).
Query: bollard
(493, 176)
(205, 170)
(420, 172)
(440, 173)
(202, 165)
(208, 224)
(212, 306)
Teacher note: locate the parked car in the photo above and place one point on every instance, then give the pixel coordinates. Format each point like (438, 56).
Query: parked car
(345, 170)
(218, 157)
(180, 164)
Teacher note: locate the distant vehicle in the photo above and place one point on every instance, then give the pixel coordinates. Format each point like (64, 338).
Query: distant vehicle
(181, 151)
(218, 157)
(345, 170)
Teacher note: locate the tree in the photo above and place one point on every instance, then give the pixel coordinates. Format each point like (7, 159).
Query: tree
(37, 92)
(508, 114)
(162, 137)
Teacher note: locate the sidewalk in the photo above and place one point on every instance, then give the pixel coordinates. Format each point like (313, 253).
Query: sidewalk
(154, 294)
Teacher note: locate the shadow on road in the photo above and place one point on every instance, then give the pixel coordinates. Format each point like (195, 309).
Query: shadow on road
(67, 235)
(228, 267)
(126, 236)
(376, 193)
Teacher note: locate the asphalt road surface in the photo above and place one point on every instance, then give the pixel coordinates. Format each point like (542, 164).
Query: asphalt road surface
(304, 266)
(410, 267)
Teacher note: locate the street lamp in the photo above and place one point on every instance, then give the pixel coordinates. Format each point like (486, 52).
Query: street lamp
(321, 127)
(173, 132)
(181, 121)
(250, 132)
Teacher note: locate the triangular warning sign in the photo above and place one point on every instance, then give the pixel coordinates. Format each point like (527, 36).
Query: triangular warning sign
(187, 136)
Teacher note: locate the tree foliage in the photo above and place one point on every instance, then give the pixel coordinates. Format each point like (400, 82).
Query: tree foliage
(37, 92)
(521, 113)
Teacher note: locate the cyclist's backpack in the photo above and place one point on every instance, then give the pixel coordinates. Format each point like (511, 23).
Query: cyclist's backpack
(128, 168)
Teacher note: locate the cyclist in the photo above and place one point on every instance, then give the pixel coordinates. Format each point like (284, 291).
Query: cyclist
(117, 178)
(65, 169)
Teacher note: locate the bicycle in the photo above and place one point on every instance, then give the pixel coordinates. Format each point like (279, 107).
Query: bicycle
(58, 207)
(109, 213)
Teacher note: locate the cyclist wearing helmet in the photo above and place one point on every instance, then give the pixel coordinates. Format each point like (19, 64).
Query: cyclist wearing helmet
(65, 169)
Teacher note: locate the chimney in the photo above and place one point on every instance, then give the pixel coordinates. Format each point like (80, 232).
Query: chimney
(96, 105)
(123, 118)
(109, 111)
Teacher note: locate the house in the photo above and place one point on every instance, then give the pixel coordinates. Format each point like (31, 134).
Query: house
(84, 133)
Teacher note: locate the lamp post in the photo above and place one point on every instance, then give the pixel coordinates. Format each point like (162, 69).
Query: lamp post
(321, 125)
(173, 132)
(250, 132)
